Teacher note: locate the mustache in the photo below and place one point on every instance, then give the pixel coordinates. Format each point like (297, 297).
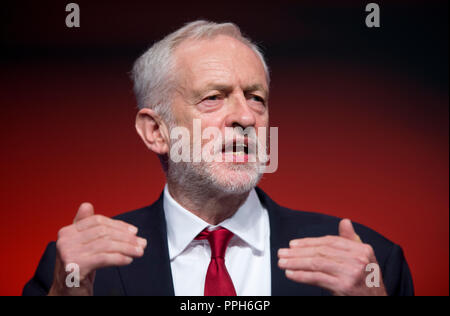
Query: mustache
(216, 142)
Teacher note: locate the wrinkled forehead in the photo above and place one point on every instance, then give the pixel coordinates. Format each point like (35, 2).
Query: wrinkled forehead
(222, 59)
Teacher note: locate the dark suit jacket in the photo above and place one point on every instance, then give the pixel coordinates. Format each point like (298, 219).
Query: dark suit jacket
(151, 274)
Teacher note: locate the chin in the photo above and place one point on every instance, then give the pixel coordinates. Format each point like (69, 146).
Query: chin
(232, 178)
(215, 178)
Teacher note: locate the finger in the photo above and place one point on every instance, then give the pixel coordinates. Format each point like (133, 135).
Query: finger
(99, 232)
(344, 258)
(100, 220)
(331, 241)
(311, 252)
(346, 230)
(314, 264)
(313, 278)
(110, 246)
(84, 211)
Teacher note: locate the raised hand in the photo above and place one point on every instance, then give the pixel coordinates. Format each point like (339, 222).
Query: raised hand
(335, 263)
(93, 242)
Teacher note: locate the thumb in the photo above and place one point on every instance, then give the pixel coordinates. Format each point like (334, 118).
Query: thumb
(86, 209)
(346, 230)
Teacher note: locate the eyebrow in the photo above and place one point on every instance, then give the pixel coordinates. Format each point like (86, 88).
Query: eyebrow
(256, 87)
(228, 88)
(212, 86)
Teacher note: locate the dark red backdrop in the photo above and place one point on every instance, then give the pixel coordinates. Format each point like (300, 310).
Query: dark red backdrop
(358, 139)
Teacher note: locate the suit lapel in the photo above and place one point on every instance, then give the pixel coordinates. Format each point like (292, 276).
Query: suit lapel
(283, 230)
(150, 275)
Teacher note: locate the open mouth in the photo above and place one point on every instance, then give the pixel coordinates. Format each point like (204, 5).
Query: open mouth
(237, 148)
(239, 151)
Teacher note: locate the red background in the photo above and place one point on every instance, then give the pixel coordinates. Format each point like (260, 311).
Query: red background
(362, 134)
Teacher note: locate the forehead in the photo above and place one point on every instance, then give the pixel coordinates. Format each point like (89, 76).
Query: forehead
(221, 59)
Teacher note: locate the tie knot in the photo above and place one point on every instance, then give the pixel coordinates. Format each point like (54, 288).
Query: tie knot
(218, 240)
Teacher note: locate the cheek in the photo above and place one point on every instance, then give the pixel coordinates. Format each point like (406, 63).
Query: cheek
(262, 120)
(184, 118)
(214, 120)
(182, 112)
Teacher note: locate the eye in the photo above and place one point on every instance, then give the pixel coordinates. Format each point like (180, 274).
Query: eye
(257, 98)
(212, 101)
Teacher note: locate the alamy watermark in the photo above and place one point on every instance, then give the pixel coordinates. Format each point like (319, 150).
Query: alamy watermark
(373, 18)
(235, 145)
(73, 18)
(373, 278)
(73, 276)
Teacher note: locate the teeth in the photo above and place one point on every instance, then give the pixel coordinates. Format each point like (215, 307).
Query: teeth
(237, 149)
(237, 152)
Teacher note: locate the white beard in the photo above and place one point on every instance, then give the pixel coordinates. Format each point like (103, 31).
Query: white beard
(213, 178)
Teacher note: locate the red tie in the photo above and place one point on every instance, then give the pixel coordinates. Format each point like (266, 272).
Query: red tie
(218, 281)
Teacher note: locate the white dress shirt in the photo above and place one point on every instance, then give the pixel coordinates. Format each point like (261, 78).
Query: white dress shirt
(247, 257)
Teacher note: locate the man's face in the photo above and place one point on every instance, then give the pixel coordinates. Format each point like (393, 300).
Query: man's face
(222, 83)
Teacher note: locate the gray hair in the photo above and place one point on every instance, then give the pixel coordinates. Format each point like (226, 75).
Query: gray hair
(152, 72)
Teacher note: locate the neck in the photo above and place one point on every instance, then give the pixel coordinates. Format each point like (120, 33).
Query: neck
(212, 207)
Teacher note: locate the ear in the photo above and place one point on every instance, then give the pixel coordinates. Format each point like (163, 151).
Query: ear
(153, 131)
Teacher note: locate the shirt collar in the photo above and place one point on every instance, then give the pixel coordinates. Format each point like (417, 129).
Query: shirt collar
(183, 226)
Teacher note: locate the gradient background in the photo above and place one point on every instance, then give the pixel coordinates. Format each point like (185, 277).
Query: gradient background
(363, 117)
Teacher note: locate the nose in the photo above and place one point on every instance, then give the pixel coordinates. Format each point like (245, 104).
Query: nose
(240, 114)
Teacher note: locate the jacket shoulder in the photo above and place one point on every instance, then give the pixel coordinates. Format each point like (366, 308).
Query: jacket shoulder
(323, 224)
(145, 217)
(290, 224)
(314, 224)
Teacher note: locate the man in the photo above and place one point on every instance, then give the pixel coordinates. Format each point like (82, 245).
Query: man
(213, 232)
